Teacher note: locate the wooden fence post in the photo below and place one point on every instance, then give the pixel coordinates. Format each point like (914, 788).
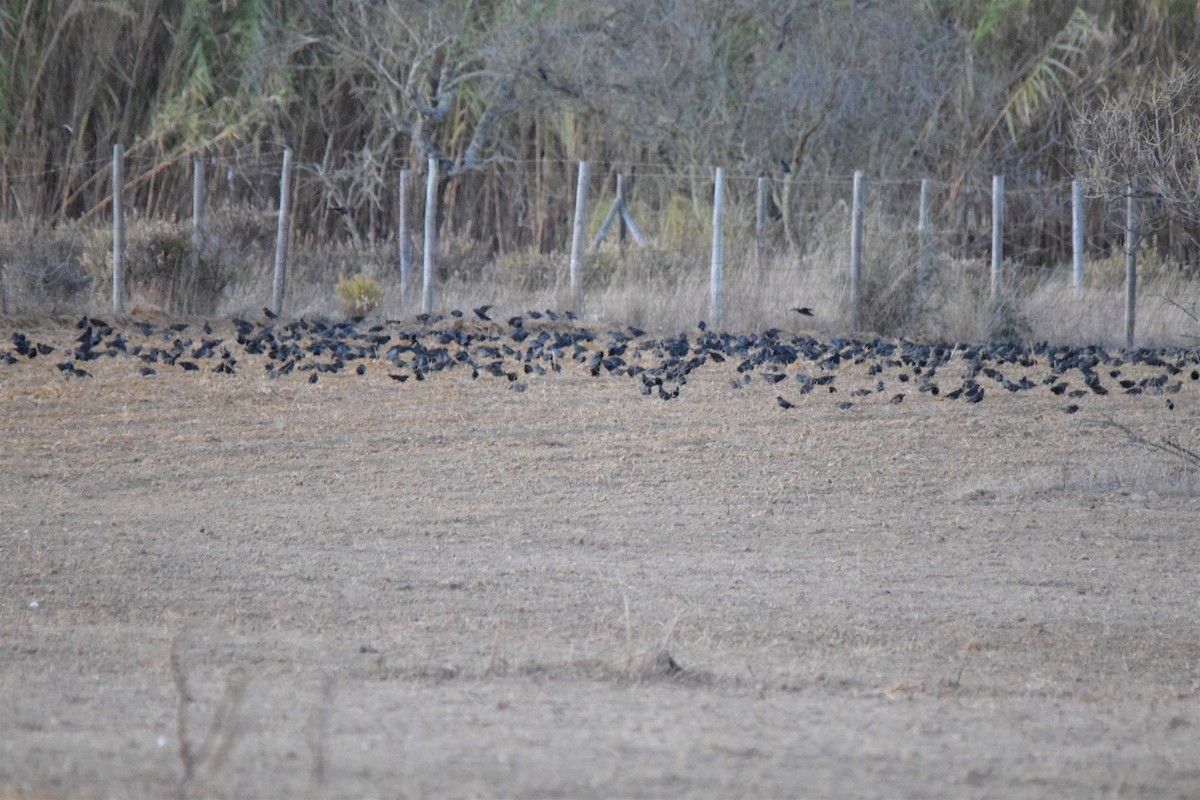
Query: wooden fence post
(197, 212)
(1131, 245)
(579, 231)
(622, 226)
(997, 235)
(281, 233)
(619, 207)
(856, 241)
(760, 220)
(924, 247)
(118, 206)
(197, 200)
(718, 249)
(430, 262)
(1077, 223)
(404, 235)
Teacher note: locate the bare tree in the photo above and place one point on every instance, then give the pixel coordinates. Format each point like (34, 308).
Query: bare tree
(1149, 135)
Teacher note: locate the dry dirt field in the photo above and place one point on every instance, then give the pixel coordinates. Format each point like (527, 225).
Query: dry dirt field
(231, 586)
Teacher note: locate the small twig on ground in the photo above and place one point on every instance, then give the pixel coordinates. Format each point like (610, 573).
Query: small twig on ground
(1191, 312)
(222, 731)
(628, 633)
(1167, 445)
(182, 700)
(318, 724)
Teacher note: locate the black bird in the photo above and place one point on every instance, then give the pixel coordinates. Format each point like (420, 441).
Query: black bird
(456, 313)
(361, 369)
(481, 312)
(1071, 409)
(269, 313)
(783, 403)
(803, 311)
(398, 378)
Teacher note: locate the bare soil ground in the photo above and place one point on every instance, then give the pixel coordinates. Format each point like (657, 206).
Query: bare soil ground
(231, 586)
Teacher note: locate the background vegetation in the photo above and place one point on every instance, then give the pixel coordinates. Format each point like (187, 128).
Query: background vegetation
(509, 95)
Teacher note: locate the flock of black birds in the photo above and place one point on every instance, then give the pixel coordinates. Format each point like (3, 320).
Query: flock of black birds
(538, 342)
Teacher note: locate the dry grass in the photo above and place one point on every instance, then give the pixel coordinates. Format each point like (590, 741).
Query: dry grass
(448, 588)
(655, 288)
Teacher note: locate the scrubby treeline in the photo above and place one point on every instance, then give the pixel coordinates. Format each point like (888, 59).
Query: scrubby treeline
(510, 94)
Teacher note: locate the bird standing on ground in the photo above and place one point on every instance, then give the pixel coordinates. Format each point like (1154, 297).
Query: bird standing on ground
(803, 311)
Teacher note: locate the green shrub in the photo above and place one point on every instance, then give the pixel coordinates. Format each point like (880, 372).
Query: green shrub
(359, 294)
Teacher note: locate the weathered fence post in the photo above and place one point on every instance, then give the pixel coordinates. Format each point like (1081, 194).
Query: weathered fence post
(997, 234)
(1131, 245)
(760, 221)
(718, 249)
(622, 226)
(856, 240)
(430, 263)
(1077, 223)
(620, 207)
(281, 233)
(578, 231)
(924, 247)
(404, 235)
(187, 300)
(197, 200)
(118, 206)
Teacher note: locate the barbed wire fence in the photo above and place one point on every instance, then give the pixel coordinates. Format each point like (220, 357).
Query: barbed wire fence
(770, 226)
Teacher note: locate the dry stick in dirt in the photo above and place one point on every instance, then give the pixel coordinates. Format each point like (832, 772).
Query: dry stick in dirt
(318, 729)
(222, 730)
(1166, 445)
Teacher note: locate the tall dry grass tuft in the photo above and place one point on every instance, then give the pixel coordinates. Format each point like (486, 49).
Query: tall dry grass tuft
(663, 289)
